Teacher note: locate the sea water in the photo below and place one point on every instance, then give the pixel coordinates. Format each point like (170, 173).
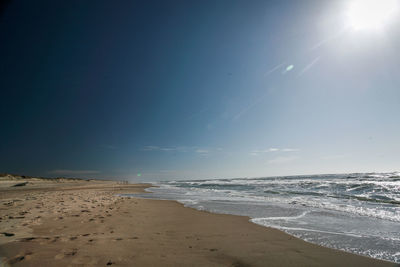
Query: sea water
(358, 212)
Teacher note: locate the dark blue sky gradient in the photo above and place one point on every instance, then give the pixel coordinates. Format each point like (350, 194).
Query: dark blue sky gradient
(183, 89)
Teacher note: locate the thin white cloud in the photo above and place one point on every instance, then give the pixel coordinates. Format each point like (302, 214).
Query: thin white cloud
(198, 150)
(169, 148)
(257, 152)
(158, 148)
(151, 148)
(290, 149)
(273, 149)
(74, 172)
(281, 160)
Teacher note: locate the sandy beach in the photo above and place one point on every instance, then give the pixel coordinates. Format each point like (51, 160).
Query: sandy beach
(63, 222)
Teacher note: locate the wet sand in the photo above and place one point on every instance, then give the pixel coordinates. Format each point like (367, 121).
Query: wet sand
(79, 223)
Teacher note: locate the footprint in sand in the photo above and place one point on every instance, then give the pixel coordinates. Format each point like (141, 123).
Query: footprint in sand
(27, 239)
(55, 239)
(20, 258)
(66, 253)
(7, 234)
(71, 252)
(16, 259)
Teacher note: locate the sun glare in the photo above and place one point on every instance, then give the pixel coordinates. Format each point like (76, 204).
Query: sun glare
(371, 14)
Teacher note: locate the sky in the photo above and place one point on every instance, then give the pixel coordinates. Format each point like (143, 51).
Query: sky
(167, 90)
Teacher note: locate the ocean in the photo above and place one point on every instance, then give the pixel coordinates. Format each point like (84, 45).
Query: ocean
(357, 212)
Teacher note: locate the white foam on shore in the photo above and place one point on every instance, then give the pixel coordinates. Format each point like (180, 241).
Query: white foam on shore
(265, 222)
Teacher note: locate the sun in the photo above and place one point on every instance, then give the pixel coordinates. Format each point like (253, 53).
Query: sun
(371, 14)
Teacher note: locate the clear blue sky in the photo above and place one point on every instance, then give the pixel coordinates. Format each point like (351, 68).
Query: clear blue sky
(195, 89)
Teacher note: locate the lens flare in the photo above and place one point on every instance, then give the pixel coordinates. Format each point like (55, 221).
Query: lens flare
(289, 68)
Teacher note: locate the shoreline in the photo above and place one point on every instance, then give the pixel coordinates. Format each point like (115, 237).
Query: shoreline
(250, 220)
(259, 216)
(85, 223)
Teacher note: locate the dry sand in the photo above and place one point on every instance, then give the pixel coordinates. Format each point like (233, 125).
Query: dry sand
(78, 223)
